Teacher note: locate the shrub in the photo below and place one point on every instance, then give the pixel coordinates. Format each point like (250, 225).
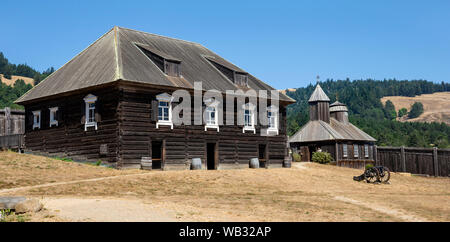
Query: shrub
(322, 157)
(402, 112)
(296, 157)
(368, 166)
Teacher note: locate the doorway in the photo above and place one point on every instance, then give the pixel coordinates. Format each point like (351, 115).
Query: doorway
(262, 155)
(211, 156)
(156, 154)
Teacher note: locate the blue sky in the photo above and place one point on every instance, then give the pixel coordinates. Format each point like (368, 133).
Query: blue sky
(284, 43)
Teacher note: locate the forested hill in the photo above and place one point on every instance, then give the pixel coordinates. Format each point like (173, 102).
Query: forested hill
(368, 113)
(8, 94)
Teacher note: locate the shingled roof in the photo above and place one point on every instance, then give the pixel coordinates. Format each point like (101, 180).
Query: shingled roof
(318, 95)
(319, 130)
(116, 56)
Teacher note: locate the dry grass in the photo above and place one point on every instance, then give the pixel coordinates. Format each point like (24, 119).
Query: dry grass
(436, 106)
(10, 82)
(253, 195)
(17, 170)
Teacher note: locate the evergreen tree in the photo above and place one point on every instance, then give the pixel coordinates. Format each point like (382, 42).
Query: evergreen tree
(416, 110)
(389, 110)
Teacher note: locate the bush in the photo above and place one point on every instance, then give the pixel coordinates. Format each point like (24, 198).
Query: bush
(322, 157)
(296, 157)
(402, 112)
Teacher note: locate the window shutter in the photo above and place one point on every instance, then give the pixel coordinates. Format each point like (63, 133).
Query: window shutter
(98, 110)
(83, 112)
(45, 118)
(280, 120)
(155, 110)
(59, 115)
(29, 122)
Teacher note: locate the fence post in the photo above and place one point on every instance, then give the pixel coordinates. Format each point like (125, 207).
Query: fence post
(403, 158)
(435, 161)
(7, 121)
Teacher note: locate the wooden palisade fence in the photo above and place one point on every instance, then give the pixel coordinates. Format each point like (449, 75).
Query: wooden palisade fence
(427, 161)
(12, 128)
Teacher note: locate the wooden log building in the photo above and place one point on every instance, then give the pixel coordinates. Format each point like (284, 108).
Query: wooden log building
(108, 104)
(330, 130)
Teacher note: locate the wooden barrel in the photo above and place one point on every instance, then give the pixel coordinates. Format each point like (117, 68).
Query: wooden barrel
(254, 163)
(146, 163)
(196, 164)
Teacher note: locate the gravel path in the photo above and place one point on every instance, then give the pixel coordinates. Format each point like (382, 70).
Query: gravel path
(106, 210)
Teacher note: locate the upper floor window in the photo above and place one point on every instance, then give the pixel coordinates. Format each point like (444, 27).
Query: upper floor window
(37, 119)
(53, 116)
(212, 118)
(172, 68)
(272, 119)
(165, 62)
(90, 112)
(345, 150)
(241, 79)
(356, 150)
(366, 150)
(234, 74)
(164, 110)
(249, 118)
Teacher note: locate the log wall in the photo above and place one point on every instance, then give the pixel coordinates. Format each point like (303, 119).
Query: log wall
(137, 129)
(69, 139)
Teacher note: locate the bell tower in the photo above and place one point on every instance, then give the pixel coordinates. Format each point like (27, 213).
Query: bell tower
(319, 105)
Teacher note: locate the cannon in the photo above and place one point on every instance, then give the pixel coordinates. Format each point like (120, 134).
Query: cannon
(374, 174)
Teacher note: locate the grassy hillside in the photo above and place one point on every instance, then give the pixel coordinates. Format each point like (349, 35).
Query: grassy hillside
(11, 81)
(363, 98)
(436, 107)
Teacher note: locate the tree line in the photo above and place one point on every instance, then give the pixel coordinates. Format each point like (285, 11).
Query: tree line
(362, 98)
(8, 70)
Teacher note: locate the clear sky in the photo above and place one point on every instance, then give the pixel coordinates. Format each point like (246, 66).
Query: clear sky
(284, 43)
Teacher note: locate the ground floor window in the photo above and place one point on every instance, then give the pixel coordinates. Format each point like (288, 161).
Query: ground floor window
(90, 111)
(164, 110)
(345, 150)
(53, 119)
(37, 119)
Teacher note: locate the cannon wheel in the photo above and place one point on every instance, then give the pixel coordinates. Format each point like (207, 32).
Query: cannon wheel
(372, 175)
(385, 175)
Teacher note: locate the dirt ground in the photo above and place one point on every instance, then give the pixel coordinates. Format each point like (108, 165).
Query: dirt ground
(436, 106)
(305, 192)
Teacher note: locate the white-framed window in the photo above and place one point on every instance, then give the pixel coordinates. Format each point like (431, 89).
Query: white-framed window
(366, 150)
(345, 150)
(37, 119)
(272, 119)
(53, 120)
(90, 112)
(249, 118)
(164, 110)
(212, 119)
(355, 150)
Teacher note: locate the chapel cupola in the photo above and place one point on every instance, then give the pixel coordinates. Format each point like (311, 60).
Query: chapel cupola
(319, 105)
